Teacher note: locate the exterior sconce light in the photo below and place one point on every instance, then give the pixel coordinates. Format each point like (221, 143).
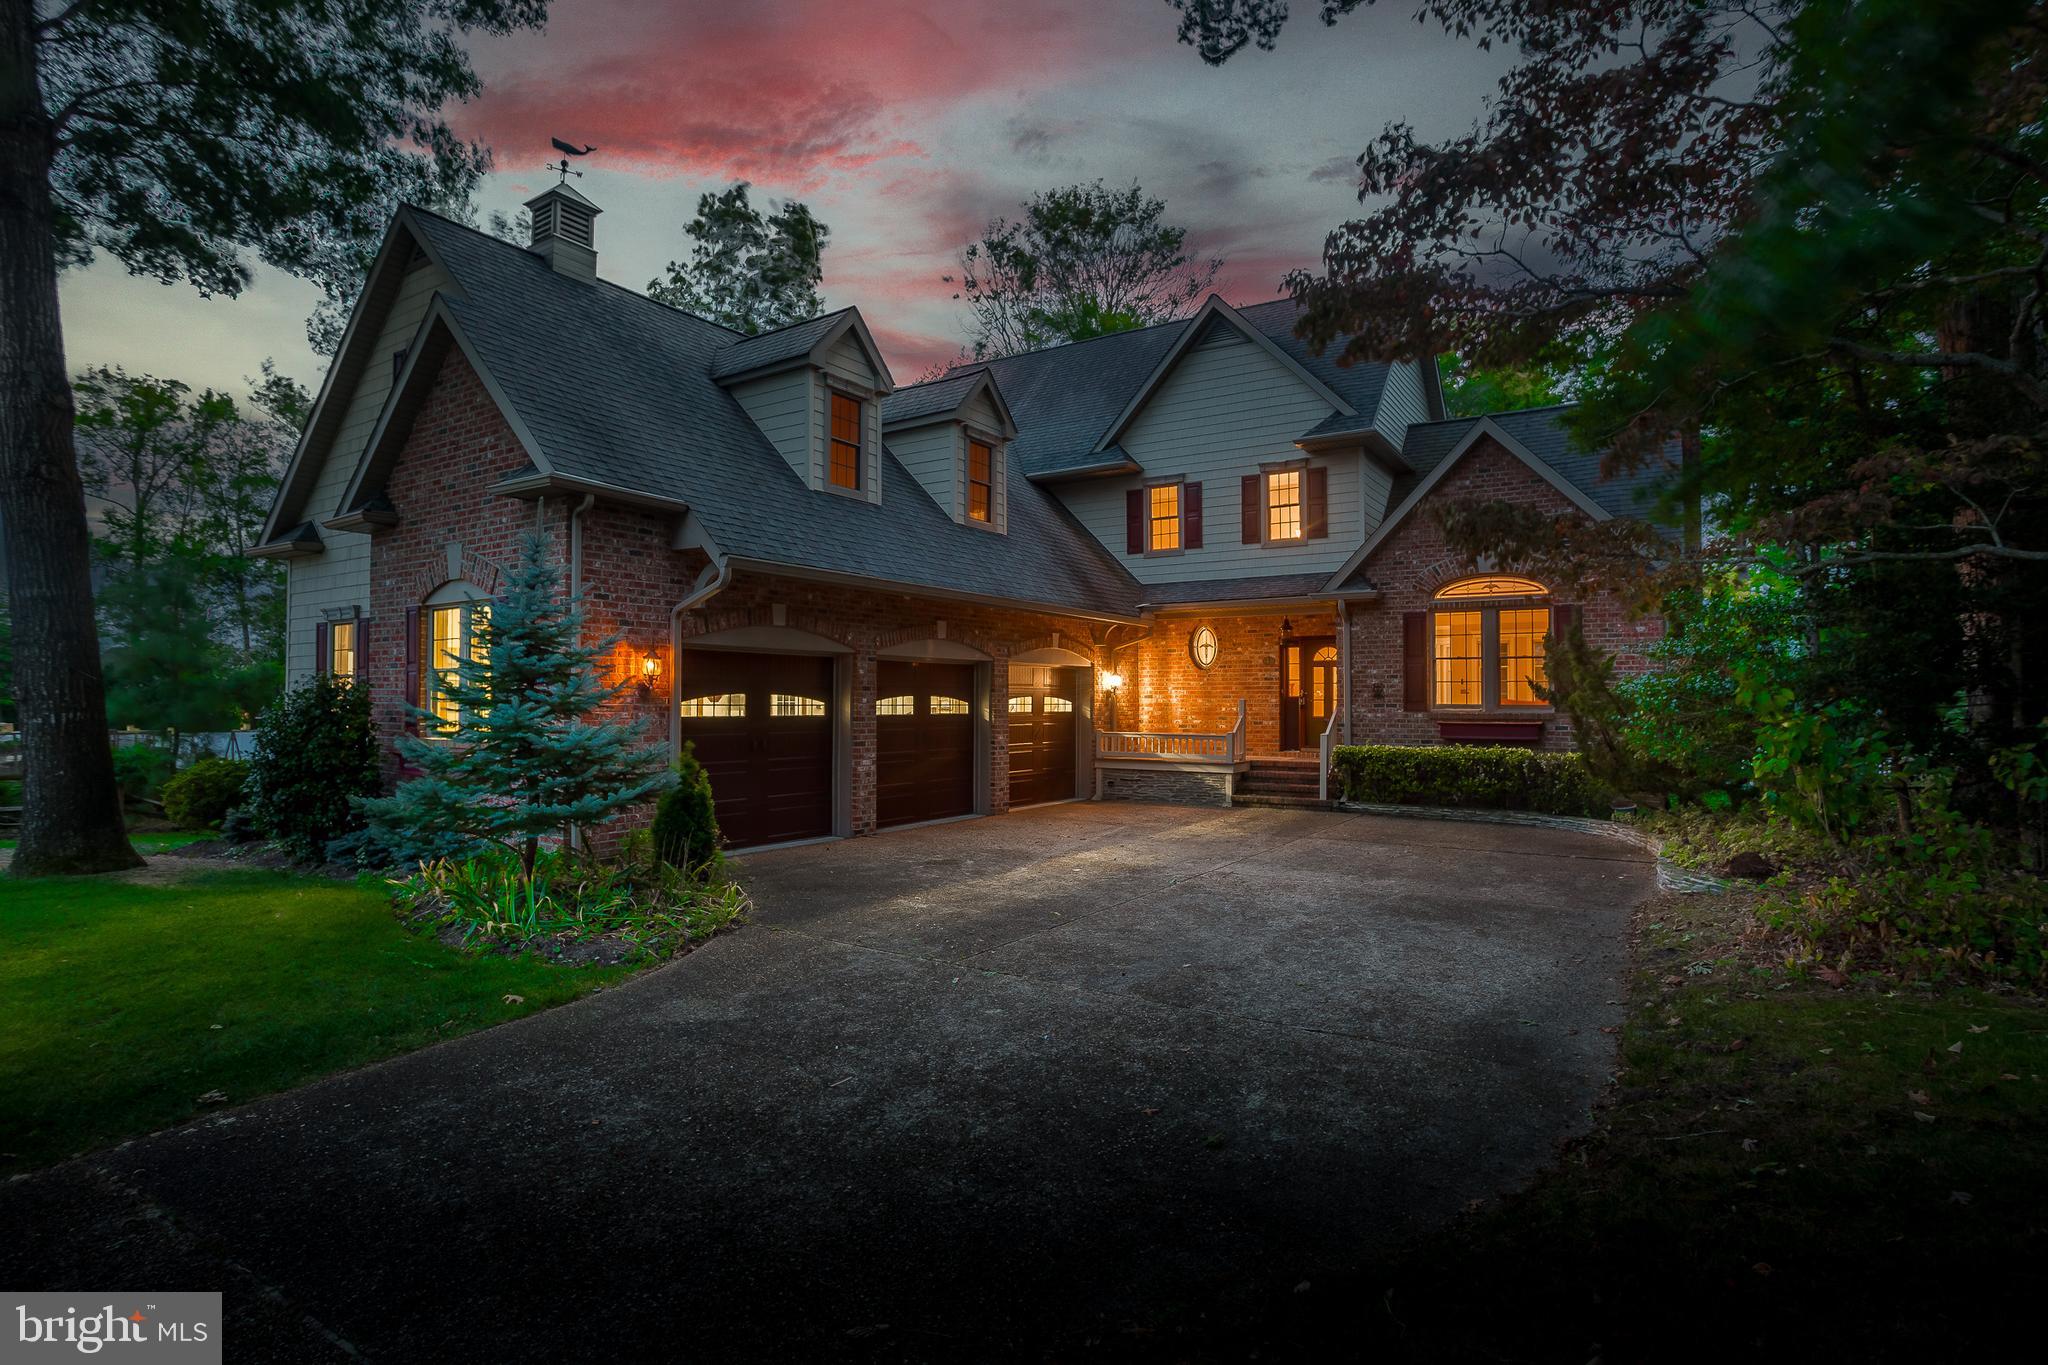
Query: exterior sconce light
(1112, 681)
(650, 669)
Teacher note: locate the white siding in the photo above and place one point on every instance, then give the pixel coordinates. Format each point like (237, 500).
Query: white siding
(338, 579)
(1401, 403)
(1226, 409)
(871, 422)
(849, 361)
(780, 405)
(1378, 485)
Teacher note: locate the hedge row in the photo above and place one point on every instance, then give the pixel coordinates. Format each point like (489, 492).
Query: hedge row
(1493, 777)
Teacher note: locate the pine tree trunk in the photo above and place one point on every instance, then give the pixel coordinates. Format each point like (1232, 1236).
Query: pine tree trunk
(71, 812)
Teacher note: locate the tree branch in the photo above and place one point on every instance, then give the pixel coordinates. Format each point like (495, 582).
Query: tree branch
(1961, 360)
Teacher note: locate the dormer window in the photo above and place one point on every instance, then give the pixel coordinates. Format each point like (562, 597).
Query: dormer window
(981, 481)
(845, 454)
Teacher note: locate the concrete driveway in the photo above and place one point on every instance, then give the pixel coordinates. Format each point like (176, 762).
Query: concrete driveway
(958, 1092)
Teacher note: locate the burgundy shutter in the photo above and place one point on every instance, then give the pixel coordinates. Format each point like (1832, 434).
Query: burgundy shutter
(412, 668)
(1191, 516)
(1561, 619)
(1414, 661)
(322, 658)
(1134, 521)
(1254, 507)
(1315, 498)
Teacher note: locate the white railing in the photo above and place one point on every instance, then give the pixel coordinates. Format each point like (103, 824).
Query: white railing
(1323, 768)
(1225, 749)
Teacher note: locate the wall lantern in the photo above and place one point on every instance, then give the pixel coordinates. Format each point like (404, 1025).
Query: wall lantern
(1112, 681)
(650, 669)
(1202, 647)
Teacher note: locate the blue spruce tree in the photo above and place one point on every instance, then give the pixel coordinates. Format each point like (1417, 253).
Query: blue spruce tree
(526, 756)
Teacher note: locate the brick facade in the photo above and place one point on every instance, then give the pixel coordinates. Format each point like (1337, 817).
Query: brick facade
(452, 527)
(1409, 568)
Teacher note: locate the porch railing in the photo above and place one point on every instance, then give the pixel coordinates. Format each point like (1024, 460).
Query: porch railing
(1165, 746)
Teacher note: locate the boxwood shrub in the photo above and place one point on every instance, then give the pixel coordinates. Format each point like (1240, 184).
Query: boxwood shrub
(1493, 777)
(200, 795)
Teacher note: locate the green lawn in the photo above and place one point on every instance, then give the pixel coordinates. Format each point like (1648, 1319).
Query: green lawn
(1782, 1171)
(154, 841)
(125, 1003)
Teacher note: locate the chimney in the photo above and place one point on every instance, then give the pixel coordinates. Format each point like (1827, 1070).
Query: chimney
(565, 231)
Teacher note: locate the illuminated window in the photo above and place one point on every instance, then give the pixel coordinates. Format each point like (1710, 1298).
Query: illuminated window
(1163, 517)
(720, 706)
(846, 423)
(452, 636)
(341, 651)
(1293, 672)
(1057, 706)
(1458, 657)
(896, 706)
(948, 706)
(790, 704)
(1321, 680)
(1020, 706)
(981, 487)
(1283, 505)
(1489, 653)
(1492, 587)
(1521, 654)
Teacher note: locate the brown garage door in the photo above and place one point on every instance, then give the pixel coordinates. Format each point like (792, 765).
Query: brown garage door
(924, 742)
(762, 727)
(1041, 713)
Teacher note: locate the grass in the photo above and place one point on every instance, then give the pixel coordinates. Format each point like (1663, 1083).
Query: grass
(127, 1003)
(1782, 1170)
(154, 841)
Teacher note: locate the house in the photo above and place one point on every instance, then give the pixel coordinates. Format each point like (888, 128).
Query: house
(1167, 563)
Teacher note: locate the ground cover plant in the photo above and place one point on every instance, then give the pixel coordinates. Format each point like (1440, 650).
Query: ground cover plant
(132, 1007)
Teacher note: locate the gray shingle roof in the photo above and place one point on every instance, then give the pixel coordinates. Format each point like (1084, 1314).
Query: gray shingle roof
(763, 349)
(633, 404)
(1235, 589)
(926, 400)
(1543, 433)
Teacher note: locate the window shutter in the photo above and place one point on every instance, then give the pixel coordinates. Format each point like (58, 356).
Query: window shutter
(323, 658)
(1414, 661)
(1191, 516)
(412, 668)
(1315, 500)
(1254, 507)
(1561, 620)
(1134, 521)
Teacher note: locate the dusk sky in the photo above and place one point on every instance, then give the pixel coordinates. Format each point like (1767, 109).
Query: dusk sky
(905, 124)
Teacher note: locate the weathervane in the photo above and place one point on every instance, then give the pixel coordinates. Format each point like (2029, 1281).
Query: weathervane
(568, 151)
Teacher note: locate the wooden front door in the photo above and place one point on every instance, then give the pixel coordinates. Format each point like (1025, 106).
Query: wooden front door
(924, 742)
(1041, 716)
(761, 725)
(1308, 690)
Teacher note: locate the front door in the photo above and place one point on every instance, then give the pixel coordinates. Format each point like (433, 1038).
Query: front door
(1308, 690)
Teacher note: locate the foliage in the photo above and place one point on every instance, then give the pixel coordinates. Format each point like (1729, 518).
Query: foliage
(128, 1002)
(1496, 777)
(7, 711)
(141, 769)
(314, 753)
(529, 756)
(1470, 391)
(200, 795)
(651, 908)
(748, 272)
(685, 830)
(1084, 261)
(165, 671)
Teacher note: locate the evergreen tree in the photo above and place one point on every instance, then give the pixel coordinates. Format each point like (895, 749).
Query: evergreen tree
(526, 756)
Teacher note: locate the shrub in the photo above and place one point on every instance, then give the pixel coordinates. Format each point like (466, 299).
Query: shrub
(652, 909)
(1494, 777)
(315, 751)
(685, 833)
(140, 770)
(200, 795)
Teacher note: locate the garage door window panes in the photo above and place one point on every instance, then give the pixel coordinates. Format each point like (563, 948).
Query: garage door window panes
(896, 706)
(791, 704)
(949, 706)
(1020, 706)
(722, 706)
(1058, 705)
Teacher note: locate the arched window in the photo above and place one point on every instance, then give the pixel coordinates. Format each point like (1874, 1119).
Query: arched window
(450, 623)
(1486, 642)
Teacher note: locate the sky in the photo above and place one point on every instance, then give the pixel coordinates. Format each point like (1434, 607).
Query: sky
(905, 124)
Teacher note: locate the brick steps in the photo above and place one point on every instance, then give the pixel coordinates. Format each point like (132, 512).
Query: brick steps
(1279, 782)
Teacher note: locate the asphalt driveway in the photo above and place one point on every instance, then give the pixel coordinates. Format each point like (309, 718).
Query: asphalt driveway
(958, 1092)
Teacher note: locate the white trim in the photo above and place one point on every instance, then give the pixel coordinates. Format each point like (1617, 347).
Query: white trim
(1485, 426)
(1215, 307)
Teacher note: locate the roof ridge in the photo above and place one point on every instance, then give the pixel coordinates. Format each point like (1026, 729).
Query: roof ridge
(788, 326)
(978, 367)
(1497, 412)
(627, 290)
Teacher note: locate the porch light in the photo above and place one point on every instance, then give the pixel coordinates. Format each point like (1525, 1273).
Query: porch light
(650, 669)
(1112, 681)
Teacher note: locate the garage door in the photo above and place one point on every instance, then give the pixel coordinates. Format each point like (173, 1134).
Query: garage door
(924, 742)
(1041, 710)
(762, 727)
